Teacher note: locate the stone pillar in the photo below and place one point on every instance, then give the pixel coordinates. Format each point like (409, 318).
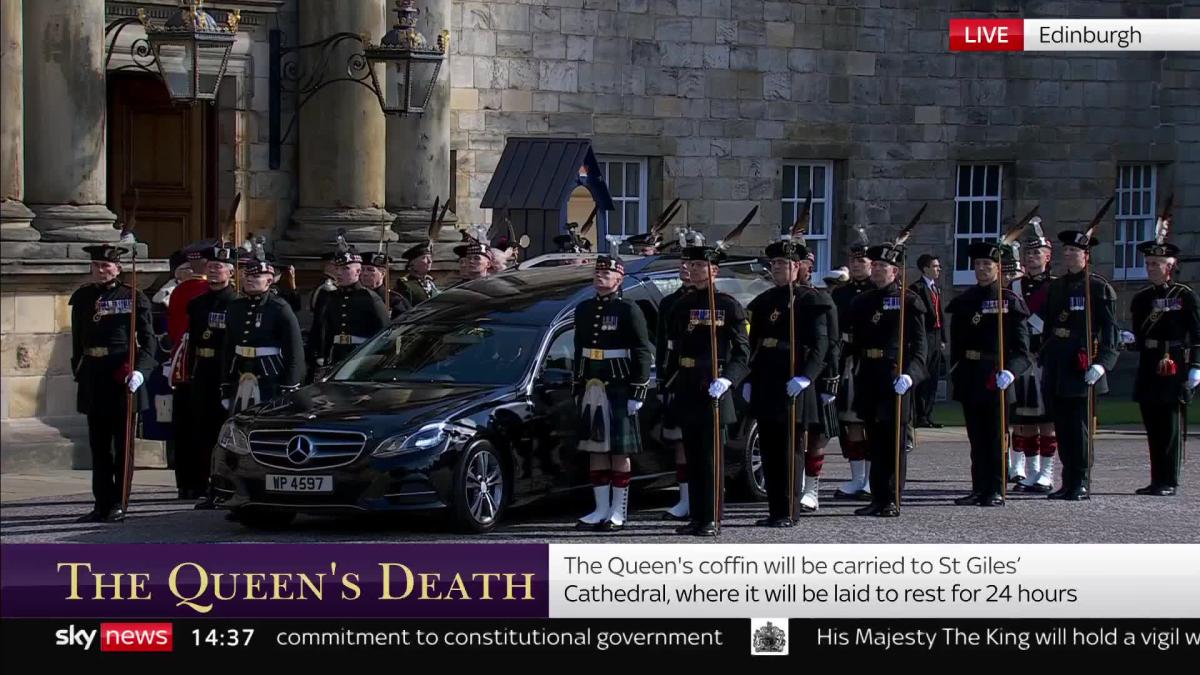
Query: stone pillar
(15, 218)
(342, 138)
(66, 105)
(418, 148)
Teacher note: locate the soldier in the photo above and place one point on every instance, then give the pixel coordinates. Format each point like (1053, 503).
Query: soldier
(977, 379)
(263, 353)
(1034, 441)
(1071, 374)
(287, 292)
(573, 242)
(873, 327)
(474, 259)
(374, 274)
(693, 388)
(328, 271)
(182, 423)
(666, 365)
(782, 375)
(612, 374)
(1166, 326)
(930, 293)
(206, 340)
(645, 244)
(826, 426)
(100, 344)
(852, 436)
(350, 316)
(416, 285)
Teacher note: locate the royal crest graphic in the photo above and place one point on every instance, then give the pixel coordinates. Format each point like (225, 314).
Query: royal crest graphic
(768, 638)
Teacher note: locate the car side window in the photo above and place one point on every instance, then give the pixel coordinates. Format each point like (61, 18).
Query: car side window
(561, 355)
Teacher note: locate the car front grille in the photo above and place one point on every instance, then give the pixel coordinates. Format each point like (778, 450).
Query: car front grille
(306, 449)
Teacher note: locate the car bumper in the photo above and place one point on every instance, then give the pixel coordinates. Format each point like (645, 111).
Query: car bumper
(412, 482)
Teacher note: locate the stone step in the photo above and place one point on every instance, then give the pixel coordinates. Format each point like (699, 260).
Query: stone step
(35, 444)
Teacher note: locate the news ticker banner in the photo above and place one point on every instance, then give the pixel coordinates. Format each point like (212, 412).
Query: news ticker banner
(1075, 35)
(608, 580)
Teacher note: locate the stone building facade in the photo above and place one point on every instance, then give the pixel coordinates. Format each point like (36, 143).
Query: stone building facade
(726, 104)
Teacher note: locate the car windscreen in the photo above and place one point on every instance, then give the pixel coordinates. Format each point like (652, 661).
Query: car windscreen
(462, 353)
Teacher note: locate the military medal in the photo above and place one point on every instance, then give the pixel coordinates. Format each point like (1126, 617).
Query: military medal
(775, 315)
(207, 335)
(877, 316)
(976, 319)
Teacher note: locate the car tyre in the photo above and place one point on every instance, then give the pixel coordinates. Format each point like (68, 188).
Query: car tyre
(264, 519)
(752, 482)
(481, 485)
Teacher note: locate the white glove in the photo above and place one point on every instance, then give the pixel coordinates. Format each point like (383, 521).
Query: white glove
(320, 361)
(718, 387)
(226, 403)
(1127, 338)
(167, 368)
(135, 380)
(1093, 374)
(902, 384)
(1193, 378)
(797, 385)
(746, 392)
(1004, 379)
(826, 399)
(633, 406)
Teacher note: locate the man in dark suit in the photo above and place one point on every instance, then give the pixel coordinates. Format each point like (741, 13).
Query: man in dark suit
(927, 289)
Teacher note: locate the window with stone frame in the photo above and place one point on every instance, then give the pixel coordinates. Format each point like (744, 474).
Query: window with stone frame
(798, 178)
(1135, 215)
(978, 201)
(627, 184)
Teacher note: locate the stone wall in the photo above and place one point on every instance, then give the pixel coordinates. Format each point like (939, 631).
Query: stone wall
(724, 90)
(35, 363)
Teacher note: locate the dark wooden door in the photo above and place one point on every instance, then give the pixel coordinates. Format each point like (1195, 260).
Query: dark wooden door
(164, 152)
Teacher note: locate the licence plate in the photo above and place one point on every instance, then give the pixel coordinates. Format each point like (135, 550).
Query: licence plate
(278, 483)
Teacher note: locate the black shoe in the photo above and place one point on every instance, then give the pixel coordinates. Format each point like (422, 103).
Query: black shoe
(205, 505)
(861, 495)
(581, 525)
(933, 425)
(1060, 493)
(764, 522)
(969, 500)
(667, 515)
(115, 515)
(690, 528)
(93, 516)
(609, 526)
(1079, 494)
(1037, 488)
(1164, 491)
(1150, 489)
(992, 499)
(709, 529)
(871, 509)
(889, 511)
(782, 522)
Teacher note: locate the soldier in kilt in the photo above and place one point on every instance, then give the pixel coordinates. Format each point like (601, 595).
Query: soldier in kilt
(777, 382)
(852, 434)
(666, 364)
(612, 373)
(1034, 441)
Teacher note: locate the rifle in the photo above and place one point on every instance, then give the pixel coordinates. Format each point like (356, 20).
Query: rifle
(1087, 329)
(901, 240)
(797, 230)
(130, 411)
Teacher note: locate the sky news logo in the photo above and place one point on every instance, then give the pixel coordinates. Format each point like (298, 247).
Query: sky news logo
(119, 637)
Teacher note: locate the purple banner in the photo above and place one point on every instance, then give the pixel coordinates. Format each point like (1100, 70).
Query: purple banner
(274, 580)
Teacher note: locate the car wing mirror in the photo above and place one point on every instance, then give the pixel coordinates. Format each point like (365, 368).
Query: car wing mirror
(556, 378)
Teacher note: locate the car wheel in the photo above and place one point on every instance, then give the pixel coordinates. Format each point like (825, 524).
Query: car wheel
(480, 489)
(753, 481)
(264, 519)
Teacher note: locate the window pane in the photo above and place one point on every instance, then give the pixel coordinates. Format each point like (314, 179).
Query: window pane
(1137, 179)
(789, 181)
(818, 182)
(1123, 177)
(962, 223)
(960, 254)
(1119, 262)
(977, 222)
(632, 218)
(789, 213)
(993, 180)
(992, 217)
(803, 181)
(817, 228)
(616, 185)
(977, 176)
(964, 181)
(633, 179)
(1123, 202)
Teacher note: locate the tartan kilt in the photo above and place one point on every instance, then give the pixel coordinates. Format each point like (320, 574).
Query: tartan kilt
(605, 425)
(845, 395)
(827, 419)
(1029, 405)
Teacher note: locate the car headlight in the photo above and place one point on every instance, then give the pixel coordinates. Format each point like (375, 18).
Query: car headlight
(428, 436)
(234, 439)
